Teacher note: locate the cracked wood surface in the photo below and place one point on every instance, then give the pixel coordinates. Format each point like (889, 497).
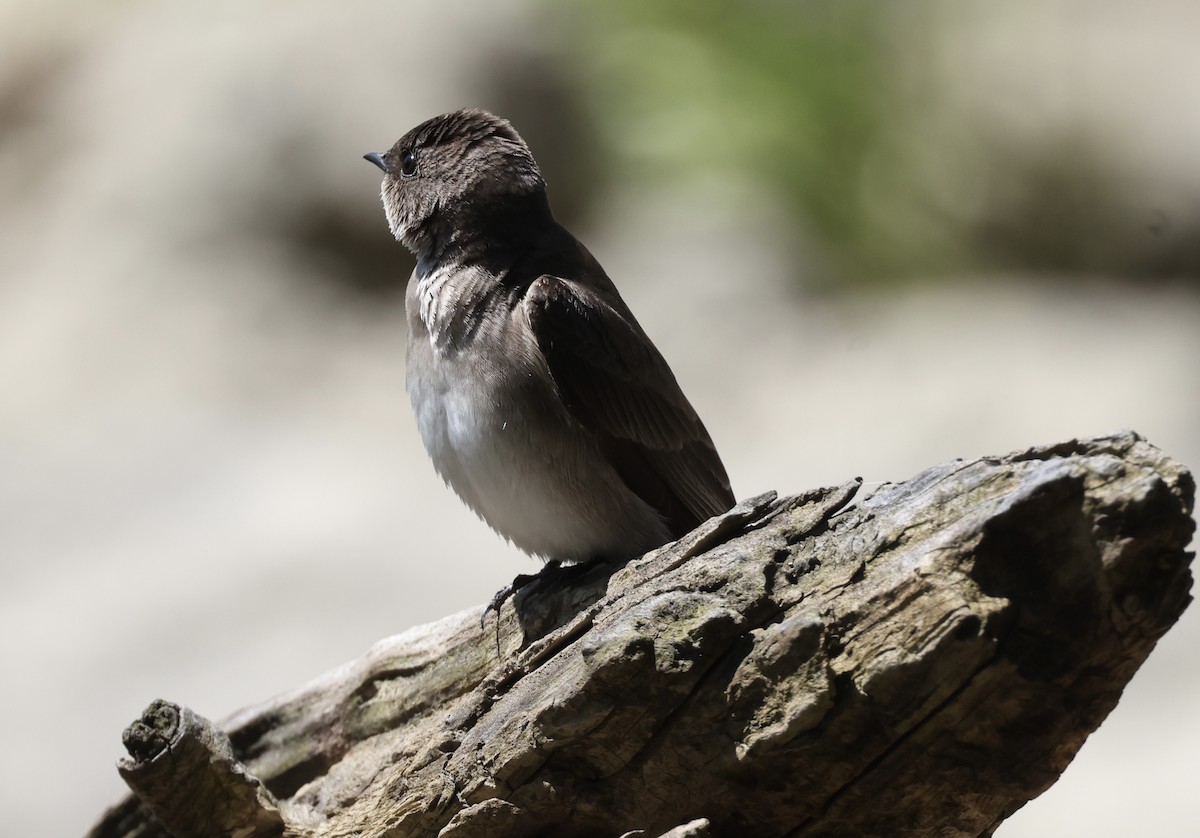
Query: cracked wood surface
(922, 661)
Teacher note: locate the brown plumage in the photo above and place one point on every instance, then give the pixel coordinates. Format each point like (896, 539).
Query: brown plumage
(539, 397)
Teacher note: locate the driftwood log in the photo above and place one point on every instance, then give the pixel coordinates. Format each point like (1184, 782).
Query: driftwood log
(920, 662)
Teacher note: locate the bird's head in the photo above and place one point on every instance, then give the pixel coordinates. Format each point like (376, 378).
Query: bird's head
(453, 171)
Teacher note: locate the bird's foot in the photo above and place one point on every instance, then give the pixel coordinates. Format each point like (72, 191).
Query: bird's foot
(552, 572)
(519, 581)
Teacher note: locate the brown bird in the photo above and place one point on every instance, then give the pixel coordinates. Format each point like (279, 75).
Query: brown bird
(539, 397)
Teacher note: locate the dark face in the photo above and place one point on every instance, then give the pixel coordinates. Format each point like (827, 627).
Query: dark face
(448, 171)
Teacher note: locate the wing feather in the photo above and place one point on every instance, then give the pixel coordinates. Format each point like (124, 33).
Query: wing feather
(617, 386)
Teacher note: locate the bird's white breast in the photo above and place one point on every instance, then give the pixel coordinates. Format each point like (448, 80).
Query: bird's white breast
(484, 450)
(548, 493)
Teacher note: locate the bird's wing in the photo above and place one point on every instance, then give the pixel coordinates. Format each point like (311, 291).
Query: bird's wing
(617, 386)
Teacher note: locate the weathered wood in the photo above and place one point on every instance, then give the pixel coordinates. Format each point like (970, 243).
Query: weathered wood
(921, 662)
(183, 769)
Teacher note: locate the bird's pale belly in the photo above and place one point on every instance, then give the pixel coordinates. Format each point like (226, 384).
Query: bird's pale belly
(528, 473)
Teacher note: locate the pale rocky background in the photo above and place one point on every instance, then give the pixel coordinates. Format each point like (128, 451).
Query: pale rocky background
(211, 486)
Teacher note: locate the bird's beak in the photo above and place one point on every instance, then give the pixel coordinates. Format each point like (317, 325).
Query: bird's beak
(376, 158)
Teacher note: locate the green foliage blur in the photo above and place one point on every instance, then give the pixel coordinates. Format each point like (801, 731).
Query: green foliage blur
(789, 95)
(826, 107)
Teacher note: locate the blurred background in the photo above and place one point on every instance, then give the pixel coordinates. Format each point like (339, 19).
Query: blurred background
(868, 237)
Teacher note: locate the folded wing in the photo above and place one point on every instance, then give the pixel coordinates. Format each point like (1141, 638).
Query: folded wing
(617, 386)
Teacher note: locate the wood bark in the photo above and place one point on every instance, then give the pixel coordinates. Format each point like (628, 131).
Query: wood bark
(923, 660)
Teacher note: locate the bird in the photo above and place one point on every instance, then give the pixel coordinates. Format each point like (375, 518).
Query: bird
(539, 397)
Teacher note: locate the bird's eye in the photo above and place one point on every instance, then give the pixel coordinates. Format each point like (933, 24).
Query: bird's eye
(408, 163)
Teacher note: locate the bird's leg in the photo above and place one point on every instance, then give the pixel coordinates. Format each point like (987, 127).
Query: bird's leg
(519, 581)
(552, 571)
